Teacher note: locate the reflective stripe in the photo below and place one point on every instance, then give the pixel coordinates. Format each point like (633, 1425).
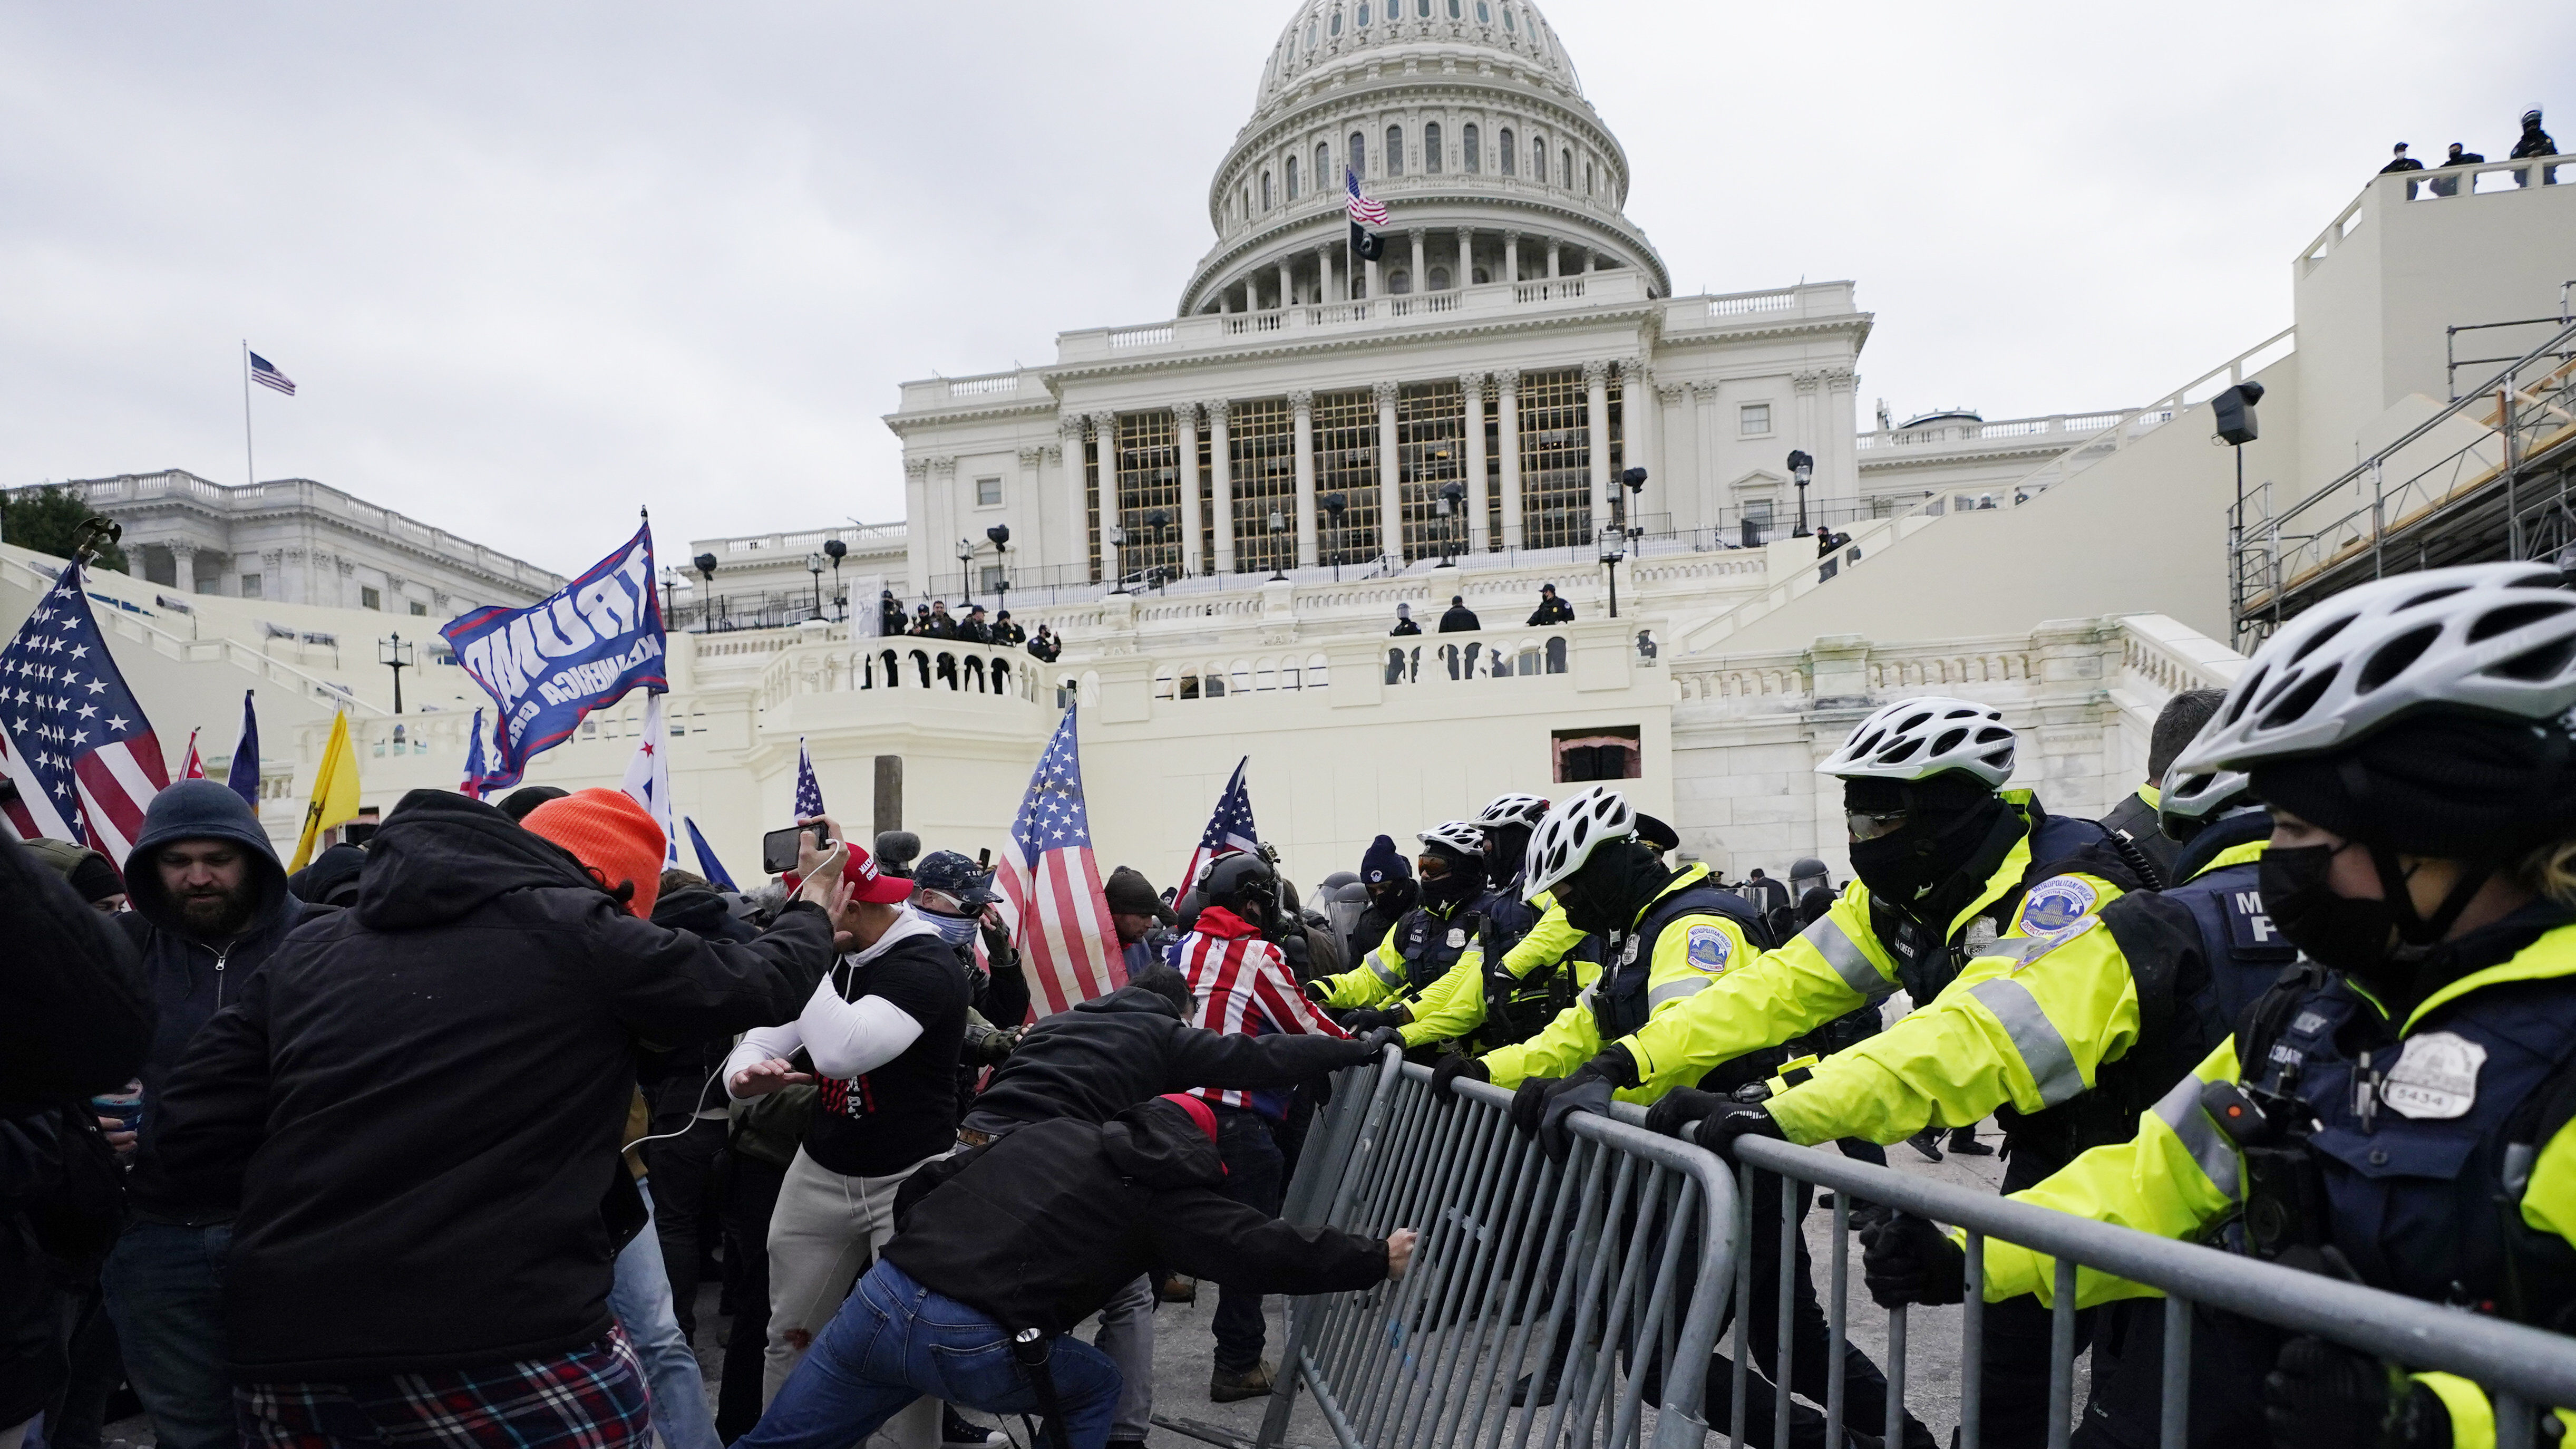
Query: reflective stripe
(1839, 952)
(2202, 1138)
(2043, 1049)
(1392, 976)
(1674, 991)
(2024, 949)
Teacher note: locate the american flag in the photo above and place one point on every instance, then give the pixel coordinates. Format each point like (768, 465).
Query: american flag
(809, 794)
(1363, 210)
(1245, 988)
(265, 373)
(1229, 829)
(1054, 886)
(72, 737)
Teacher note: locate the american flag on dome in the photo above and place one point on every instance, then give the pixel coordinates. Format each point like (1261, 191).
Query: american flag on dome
(1364, 210)
(72, 737)
(1230, 829)
(1054, 886)
(265, 373)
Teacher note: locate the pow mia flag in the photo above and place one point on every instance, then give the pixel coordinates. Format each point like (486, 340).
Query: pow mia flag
(583, 648)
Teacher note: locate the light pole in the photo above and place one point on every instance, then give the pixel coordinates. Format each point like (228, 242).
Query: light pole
(1278, 564)
(1116, 538)
(395, 655)
(836, 551)
(1157, 520)
(966, 567)
(1624, 529)
(1335, 504)
(1000, 534)
(814, 566)
(706, 566)
(1452, 495)
(1802, 468)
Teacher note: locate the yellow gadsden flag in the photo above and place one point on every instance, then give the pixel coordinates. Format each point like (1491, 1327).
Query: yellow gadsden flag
(335, 791)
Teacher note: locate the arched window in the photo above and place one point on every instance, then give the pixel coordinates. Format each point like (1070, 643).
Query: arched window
(1510, 153)
(1475, 150)
(1364, 14)
(1587, 179)
(1399, 282)
(1508, 23)
(1431, 149)
(1453, 9)
(1538, 160)
(1323, 167)
(1337, 23)
(1292, 178)
(1359, 154)
(1565, 169)
(1395, 150)
(1440, 279)
(1311, 37)
(1265, 191)
(1484, 13)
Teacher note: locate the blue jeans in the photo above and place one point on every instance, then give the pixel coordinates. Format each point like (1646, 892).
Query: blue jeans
(165, 1290)
(640, 1296)
(895, 1341)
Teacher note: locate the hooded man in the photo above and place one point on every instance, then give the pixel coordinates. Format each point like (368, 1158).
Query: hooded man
(419, 1103)
(1388, 879)
(210, 907)
(1140, 916)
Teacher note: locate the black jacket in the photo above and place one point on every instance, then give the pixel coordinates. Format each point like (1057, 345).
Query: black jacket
(1038, 1229)
(1552, 611)
(419, 1100)
(2534, 142)
(1404, 629)
(2136, 821)
(191, 980)
(1459, 620)
(674, 1076)
(1112, 1052)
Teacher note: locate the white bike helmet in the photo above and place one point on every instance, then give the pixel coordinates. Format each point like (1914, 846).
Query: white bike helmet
(2190, 801)
(1573, 829)
(1457, 835)
(2497, 639)
(1515, 809)
(1915, 739)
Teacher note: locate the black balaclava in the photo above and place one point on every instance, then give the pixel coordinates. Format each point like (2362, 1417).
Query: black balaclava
(1612, 887)
(1506, 846)
(1955, 821)
(1464, 880)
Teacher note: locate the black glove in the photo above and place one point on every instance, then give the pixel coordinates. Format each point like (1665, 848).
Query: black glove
(1719, 1131)
(1365, 1020)
(1586, 1091)
(1378, 1040)
(1679, 1111)
(989, 1046)
(1907, 1260)
(1527, 1099)
(1444, 1077)
(1316, 991)
(2325, 1393)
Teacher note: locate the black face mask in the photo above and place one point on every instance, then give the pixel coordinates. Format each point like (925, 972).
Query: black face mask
(2336, 931)
(1610, 890)
(1460, 883)
(1910, 863)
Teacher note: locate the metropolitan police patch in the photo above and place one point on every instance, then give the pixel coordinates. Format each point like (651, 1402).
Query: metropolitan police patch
(1709, 949)
(2055, 904)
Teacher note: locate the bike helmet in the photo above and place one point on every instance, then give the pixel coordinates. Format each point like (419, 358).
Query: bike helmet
(2494, 639)
(1526, 810)
(1572, 830)
(2191, 801)
(1916, 739)
(1455, 835)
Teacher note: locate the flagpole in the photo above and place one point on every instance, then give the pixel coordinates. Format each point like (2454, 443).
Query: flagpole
(250, 462)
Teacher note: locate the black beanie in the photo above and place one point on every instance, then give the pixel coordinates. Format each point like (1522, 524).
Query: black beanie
(94, 878)
(2448, 785)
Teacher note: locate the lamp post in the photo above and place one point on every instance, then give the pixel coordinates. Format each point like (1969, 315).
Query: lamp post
(1278, 565)
(1336, 504)
(706, 566)
(835, 550)
(1802, 467)
(1157, 520)
(1000, 534)
(966, 567)
(814, 566)
(1624, 529)
(670, 581)
(395, 655)
(1116, 538)
(1451, 496)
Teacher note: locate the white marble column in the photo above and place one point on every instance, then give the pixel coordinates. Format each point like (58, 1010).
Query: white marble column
(1507, 409)
(1511, 256)
(1471, 390)
(1839, 467)
(1645, 421)
(1390, 493)
(1421, 277)
(1376, 280)
(1809, 385)
(1074, 531)
(1287, 285)
(1553, 261)
(1104, 444)
(1302, 403)
(1222, 464)
(1186, 418)
(1596, 414)
(1324, 279)
(1465, 274)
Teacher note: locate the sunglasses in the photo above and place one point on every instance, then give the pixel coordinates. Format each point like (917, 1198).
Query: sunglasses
(1864, 825)
(1431, 867)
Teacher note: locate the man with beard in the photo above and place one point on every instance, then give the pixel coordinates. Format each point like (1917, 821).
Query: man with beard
(210, 907)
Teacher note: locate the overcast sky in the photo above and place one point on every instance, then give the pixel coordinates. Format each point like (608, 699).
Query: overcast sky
(533, 264)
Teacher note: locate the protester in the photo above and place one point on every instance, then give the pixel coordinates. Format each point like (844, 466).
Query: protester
(941, 625)
(1388, 878)
(1551, 609)
(210, 908)
(86, 871)
(882, 1033)
(1139, 915)
(332, 878)
(688, 1124)
(519, 802)
(430, 1194)
(1035, 1232)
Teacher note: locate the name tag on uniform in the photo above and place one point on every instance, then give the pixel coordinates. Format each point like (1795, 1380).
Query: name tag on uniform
(2435, 1077)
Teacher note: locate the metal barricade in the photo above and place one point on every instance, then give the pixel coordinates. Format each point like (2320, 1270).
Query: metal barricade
(1592, 1293)
(2521, 1369)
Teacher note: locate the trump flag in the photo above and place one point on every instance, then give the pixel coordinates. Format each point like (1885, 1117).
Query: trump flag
(555, 661)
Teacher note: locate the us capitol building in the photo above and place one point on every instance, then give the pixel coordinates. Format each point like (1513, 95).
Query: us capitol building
(1221, 510)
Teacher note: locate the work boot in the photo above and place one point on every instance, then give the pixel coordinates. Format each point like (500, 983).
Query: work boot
(1964, 1143)
(1173, 1288)
(1927, 1142)
(956, 1431)
(1228, 1386)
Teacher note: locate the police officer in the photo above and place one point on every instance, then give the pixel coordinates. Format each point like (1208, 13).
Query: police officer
(1527, 976)
(1956, 874)
(1445, 930)
(2395, 1110)
(2137, 820)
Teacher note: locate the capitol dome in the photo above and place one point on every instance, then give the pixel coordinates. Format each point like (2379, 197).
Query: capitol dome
(1465, 117)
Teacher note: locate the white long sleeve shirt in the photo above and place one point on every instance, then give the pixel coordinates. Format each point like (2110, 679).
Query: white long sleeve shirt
(845, 1038)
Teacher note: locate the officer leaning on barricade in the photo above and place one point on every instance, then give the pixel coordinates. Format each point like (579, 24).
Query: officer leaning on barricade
(2397, 1110)
(1447, 928)
(1530, 967)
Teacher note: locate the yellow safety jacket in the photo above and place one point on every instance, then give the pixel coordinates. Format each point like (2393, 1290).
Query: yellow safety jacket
(1454, 1006)
(1421, 949)
(1689, 955)
(2415, 1164)
(1847, 960)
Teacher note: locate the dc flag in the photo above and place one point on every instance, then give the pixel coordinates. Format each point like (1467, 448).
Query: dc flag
(809, 794)
(555, 661)
(72, 738)
(1054, 886)
(1230, 829)
(244, 779)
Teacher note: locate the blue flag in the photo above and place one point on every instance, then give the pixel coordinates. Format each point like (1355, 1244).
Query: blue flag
(474, 766)
(244, 779)
(708, 866)
(555, 661)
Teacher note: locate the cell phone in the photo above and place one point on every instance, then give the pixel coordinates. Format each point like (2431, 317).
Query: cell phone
(778, 848)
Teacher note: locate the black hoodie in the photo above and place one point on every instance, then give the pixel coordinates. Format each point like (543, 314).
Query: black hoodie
(1112, 1052)
(419, 1100)
(1038, 1229)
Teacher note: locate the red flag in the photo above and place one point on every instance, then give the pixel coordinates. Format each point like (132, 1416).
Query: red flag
(195, 769)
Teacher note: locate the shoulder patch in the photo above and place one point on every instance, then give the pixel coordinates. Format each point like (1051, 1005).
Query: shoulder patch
(2026, 949)
(1709, 949)
(2055, 904)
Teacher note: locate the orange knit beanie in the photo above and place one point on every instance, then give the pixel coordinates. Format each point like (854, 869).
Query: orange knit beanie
(612, 835)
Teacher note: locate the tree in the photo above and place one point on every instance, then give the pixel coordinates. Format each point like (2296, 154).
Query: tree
(48, 521)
